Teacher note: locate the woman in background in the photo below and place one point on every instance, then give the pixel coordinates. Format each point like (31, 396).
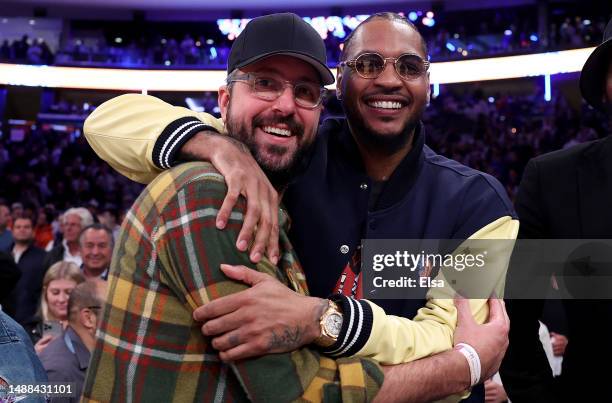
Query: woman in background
(58, 283)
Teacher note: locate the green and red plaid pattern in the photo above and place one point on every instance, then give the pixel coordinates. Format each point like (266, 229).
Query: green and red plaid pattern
(165, 264)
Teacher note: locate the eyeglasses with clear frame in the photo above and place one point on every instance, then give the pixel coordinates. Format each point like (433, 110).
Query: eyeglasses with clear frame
(408, 66)
(306, 94)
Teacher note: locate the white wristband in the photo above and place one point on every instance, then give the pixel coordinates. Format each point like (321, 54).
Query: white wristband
(473, 361)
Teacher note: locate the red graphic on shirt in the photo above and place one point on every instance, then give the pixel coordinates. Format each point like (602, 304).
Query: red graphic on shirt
(349, 283)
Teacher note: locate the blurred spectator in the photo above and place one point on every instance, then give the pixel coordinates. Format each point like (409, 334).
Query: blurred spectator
(29, 258)
(9, 276)
(109, 218)
(67, 357)
(58, 283)
(6, 236)
(72, 222)
(16, 211)
(96, 243)
(43, 233)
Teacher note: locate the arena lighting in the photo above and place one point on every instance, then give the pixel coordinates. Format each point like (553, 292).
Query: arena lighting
(496, 68)
(547, 90)
(436, 90)
(500, 68)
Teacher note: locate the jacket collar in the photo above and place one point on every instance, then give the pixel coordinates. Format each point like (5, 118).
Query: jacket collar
(404, 176)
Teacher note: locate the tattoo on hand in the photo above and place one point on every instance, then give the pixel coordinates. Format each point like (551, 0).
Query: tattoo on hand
(290, 339)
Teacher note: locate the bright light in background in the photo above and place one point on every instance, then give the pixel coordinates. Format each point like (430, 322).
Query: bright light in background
(436, 90)
(507, 32)
(213, 53)
(193, 105)
(428, 22)
(547, 90)
(351, 22)
(324, 25)
(496, 68)
(32, 22)
(412, 16)
(533, 38)
(491, 100)
(586, 22)
(118, 40)
(450, 47)
(209, 41)
(429, 14)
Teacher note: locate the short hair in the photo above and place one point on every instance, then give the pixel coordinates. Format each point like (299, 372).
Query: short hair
(97, 226)
(84, 295)
(58, 271)
(25, 217)
(86, 217)
(389, 16)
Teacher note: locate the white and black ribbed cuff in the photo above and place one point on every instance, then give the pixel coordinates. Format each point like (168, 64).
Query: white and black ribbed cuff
(172, 139)
(356, 326)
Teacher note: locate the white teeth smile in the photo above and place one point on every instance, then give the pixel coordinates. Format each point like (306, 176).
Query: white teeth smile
(385, 104)
(277, 130)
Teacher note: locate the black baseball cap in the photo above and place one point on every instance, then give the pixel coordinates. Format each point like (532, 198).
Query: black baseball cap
(280, 34)
(593, 75)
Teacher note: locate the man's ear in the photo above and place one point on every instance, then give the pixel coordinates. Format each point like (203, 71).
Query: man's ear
(88, 318)
(338, 83)
(223, 100)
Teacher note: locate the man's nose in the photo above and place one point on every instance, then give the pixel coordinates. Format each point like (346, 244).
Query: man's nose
(388, 77)
(285, 103)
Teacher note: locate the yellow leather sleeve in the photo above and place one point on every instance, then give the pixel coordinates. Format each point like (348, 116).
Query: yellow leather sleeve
(395, 340)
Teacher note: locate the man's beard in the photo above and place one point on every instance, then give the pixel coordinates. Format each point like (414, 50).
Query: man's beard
(279, 175)
(387, 144)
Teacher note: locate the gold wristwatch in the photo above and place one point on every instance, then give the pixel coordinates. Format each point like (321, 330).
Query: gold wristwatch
(330, 324)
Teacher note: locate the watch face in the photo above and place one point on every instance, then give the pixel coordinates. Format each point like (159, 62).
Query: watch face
(333, 324)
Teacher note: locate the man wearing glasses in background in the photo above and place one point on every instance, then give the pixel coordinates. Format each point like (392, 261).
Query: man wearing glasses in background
(369, 176)
(66, 358)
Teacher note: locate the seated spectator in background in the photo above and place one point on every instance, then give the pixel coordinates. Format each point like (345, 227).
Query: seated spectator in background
(109, 217)
(6, 236)
(96, 242)
(30, 259)
(9, 276)
(72, 223)
(58, 283)
(20, 365)
(16, 211)
(66, 358)
(43, 233)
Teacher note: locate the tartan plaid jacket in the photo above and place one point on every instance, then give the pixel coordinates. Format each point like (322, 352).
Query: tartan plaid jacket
(165, 264)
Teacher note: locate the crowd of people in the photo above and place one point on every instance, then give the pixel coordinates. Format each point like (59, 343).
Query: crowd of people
(496, 134)
(496, 34)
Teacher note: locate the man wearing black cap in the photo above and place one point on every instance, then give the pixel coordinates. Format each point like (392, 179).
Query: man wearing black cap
(273, 142)
(567, 194)
(169, 254)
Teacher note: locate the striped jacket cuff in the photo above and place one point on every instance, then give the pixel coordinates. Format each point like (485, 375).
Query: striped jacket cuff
(358, 318)
(172, 138)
